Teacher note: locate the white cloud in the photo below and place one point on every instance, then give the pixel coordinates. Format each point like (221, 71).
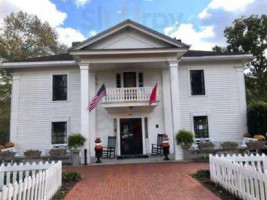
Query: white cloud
(46, 11)
(81, 2)
(92, 33)
(189, 35)
(119, 12)
(69, 35)
(227, 5)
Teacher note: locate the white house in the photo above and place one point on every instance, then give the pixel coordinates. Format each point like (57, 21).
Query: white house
(197, 90)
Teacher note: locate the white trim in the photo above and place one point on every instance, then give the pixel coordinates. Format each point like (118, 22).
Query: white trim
(244, 57)
(11, 65)
(68, 86)
(126, 51)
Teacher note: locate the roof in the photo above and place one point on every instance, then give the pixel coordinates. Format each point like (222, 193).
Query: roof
(68, 57)
(133, 24)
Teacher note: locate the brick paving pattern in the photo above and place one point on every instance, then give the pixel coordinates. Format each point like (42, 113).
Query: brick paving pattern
(163, 181)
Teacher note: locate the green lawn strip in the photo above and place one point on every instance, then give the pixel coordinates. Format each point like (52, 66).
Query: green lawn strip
(203, 176)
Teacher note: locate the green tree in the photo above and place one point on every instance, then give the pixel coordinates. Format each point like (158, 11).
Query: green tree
(22, 36)
(249, 35)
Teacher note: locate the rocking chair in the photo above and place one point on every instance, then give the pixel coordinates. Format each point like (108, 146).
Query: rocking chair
(110, 150)
(157, 148)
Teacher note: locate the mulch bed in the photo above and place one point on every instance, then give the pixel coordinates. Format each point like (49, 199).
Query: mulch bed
(63, 191)
(203, 176)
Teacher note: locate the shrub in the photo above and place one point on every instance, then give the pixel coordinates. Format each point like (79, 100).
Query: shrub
(76, 140)
(185, 138)
(257, 118)
(71, 176)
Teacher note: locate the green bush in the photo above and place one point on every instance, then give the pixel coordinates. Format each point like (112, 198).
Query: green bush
(185, 138)
(76, 140)
(71, 176)
(257, 118)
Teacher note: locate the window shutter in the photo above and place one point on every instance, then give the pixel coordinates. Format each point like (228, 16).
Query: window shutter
(140, 80)
(118, 80)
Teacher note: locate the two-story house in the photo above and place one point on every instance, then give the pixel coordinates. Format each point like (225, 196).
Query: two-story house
(197, 90)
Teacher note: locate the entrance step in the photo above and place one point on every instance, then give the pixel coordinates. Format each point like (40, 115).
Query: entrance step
(132, 156)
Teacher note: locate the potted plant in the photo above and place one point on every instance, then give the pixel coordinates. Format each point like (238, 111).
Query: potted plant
(7, 154)
(185, 138)
(257, 144)
(205, 145)
(98, 149)
(75, 142)
(229, 145)
(32, 153)
(166, 146)
(57, 153)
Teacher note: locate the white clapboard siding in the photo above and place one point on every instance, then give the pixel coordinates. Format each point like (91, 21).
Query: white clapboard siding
(41, 182)
(244, 176)
(221, 102)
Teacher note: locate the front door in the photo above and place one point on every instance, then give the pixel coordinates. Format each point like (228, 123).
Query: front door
(129, 79)
(131, 136)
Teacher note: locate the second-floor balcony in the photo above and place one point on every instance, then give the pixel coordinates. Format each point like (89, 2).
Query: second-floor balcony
(120, 97)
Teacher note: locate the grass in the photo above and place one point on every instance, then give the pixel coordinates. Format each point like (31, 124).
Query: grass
(203, 176)
(69, 179)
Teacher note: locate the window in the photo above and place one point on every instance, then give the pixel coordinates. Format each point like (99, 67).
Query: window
(60, 84)
(201, 127)
(197, 82)
(118, 79)
(140, 80)
(59, 132)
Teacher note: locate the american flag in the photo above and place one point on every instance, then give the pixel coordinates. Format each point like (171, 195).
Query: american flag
(101, 93)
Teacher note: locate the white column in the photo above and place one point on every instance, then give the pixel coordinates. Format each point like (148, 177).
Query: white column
(241, 88)
(92, 117)
(167, 107)
(84, 69)
(14, 118)
(175, 102)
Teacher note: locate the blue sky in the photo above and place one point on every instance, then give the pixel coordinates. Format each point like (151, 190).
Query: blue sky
(199, 23)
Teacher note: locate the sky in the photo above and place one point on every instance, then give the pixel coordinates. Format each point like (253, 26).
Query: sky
(199, 23)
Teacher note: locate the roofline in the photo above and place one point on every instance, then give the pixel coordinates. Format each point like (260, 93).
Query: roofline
(11, 65)
(122, 25)
(244, 57)
(128, 51)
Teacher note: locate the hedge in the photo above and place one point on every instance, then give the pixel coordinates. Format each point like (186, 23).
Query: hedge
(257, 118)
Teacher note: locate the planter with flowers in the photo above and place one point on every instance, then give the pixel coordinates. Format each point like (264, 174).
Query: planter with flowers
(166, 146)
(98, 149)
(257, 144)
(76, 142)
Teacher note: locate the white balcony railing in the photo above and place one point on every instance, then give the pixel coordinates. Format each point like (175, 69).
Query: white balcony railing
(115, 95)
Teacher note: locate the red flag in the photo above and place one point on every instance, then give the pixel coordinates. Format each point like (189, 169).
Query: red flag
(153, 96)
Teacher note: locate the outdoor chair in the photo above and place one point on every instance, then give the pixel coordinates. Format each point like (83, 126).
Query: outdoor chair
(110, 150)
(157, 148)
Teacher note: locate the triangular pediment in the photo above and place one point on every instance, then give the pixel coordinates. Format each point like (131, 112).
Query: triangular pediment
(129, 35)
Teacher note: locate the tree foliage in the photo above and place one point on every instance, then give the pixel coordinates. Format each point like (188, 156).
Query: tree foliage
(22, 36)
(249, 35)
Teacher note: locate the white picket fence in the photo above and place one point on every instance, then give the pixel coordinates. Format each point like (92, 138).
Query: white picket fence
(30, 181)
(244, 176)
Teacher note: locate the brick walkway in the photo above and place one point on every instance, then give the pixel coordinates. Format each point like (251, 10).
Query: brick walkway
(163, 181)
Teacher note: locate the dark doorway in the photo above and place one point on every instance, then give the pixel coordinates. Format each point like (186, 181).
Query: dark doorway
(129, 79)
(131, 136)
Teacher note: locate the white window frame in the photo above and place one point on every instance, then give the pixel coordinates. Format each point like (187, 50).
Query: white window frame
(122, 77)
(68, 86)
(189, 82)
(59, 119)
(199, 114)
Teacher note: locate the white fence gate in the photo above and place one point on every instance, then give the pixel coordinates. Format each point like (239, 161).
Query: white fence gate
(244, 176)
(30, 181)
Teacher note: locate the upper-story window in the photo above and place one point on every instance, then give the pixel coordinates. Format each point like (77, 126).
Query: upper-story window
(129, 79)
(60, 87)
(201, 127)
(59, 132)
(197, 82)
